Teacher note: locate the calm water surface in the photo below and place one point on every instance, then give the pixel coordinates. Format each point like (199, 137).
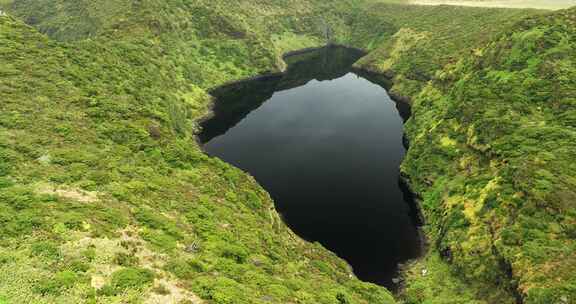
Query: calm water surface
(327, 145)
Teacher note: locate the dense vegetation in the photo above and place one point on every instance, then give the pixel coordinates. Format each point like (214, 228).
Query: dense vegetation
(425, 39)
(105, 196)
(493, 144)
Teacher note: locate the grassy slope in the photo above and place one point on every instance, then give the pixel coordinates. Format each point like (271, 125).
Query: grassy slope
(492, 149)
(427, 38)
(101, 177)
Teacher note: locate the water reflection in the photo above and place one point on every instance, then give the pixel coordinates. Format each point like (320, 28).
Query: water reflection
(326, 144)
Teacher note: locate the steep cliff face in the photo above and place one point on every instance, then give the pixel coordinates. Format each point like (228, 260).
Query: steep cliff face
(492, 152)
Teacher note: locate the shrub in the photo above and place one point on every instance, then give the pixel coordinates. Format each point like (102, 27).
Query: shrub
(159, 239)
(185, 269)
(89, 254)
(128, 278)
(66, 278)
(154, 220)
(234, 252)
(6, 258)
(253, 201)
(322, 266)
(124, 259)
(79, 266)
(343, 298)
(5, 182)
(5, 165)
(161, 290)
(222, 290)
(61, 281)
(18, 198)
(150, 219)
(46, 249)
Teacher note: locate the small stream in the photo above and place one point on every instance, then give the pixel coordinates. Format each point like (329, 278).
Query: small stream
(327, 145)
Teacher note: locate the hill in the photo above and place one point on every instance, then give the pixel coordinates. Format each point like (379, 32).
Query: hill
(492, 150)
(106, 196)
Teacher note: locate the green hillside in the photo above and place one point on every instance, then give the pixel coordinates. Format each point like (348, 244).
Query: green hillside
(492, 153)
(104, 188)
(427, 38)
(106, 197)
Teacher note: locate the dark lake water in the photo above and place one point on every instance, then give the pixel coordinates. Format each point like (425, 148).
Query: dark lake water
(327, 145)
